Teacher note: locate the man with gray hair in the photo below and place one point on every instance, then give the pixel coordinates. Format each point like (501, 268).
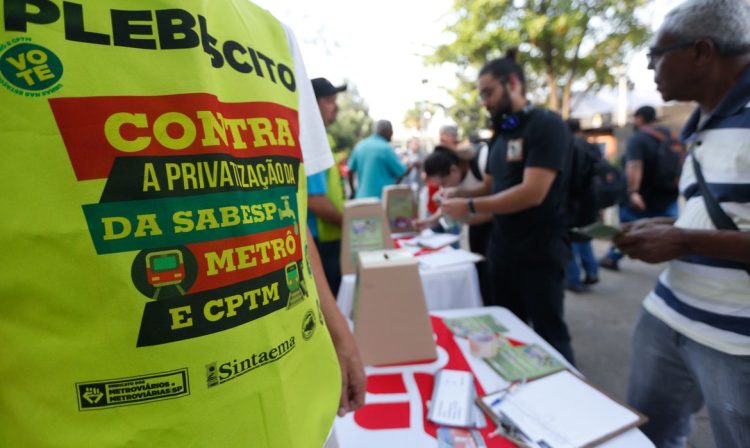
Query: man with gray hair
(691, 345)
(448, 135)
(375, 163)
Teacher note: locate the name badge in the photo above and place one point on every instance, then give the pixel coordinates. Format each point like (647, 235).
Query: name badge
(515, 150)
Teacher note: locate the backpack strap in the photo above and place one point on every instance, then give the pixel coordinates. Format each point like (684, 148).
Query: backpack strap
(474, 165)
(655, 133)
(718, 216)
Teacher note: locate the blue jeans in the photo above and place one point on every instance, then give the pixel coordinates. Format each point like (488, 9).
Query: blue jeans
(585, 253)
(628, 214)
(672, 377)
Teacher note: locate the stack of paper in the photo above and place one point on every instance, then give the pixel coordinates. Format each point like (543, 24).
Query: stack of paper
(465, 326)
(453, 400)
(448, 257)
(561, 410)
(431, 240)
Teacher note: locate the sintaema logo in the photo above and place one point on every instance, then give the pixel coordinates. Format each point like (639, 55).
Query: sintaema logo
(29, 69)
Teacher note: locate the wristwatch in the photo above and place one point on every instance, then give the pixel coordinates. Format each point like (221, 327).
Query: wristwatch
(472, 209)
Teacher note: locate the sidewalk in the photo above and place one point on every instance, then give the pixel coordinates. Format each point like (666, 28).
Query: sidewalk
(601, 321)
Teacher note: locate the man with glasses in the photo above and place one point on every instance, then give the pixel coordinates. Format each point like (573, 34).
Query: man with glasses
(524, 191)
(691, 345)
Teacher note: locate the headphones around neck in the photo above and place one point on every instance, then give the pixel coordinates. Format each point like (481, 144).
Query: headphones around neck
(512, 121)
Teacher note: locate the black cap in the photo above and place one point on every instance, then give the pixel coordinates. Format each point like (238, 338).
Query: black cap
(323, 87)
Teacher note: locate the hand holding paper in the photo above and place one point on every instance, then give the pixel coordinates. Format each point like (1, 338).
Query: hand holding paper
(597, 231)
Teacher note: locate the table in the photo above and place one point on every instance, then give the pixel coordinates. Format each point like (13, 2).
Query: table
(447, 287)
(396, 395)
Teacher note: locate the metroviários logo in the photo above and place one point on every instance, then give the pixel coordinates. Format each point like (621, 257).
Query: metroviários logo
(29, 69)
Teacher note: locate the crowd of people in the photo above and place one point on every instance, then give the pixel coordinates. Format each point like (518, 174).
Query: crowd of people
(519, 194)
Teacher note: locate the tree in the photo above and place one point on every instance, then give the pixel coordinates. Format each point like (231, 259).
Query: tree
(560, 42)
(353, 122)
(418, 117)
(466, 111)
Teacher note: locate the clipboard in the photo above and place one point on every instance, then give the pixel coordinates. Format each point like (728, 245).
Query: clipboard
(547, 404)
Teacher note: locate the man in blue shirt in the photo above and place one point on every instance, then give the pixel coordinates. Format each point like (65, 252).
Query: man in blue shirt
(375, 163)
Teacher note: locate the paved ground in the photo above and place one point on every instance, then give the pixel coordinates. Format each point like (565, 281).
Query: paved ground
(601, 321)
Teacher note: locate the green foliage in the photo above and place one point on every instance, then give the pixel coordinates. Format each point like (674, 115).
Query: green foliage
(418, 117)
(560, 42)
(353, 122)
(466, 111)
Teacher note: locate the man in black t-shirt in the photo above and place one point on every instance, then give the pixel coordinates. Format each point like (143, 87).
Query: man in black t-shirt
(524, 190)
(647, 196)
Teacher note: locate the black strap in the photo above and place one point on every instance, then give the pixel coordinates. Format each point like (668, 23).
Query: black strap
(718, 216)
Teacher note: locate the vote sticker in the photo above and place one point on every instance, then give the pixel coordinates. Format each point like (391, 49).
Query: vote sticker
(30, 67)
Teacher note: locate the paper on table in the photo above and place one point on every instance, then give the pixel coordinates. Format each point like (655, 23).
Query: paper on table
(432, 240)
(448, 257)
(562, 411)
(452, 399)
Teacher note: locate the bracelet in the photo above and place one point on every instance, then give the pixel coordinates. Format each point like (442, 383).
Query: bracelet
(472, 209)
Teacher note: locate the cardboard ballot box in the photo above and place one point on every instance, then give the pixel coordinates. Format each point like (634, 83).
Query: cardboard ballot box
(400, 208)
(391, 324)
(365, 227)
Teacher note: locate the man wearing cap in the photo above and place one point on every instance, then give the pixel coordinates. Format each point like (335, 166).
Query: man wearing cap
(648, 196)
(326, 192)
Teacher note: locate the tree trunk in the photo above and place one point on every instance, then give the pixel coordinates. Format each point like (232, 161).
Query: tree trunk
(552, 101)
(567, 90)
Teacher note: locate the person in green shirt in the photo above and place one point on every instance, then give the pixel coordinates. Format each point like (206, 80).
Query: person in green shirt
(326, 192)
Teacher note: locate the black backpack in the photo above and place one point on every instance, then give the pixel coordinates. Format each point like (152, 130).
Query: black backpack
(668, 162)
(581, 207)
(594, 183)
(610, 185)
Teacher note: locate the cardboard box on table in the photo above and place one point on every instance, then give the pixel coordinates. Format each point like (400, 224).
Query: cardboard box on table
(400, 208)
(391, 324)
(365, 227)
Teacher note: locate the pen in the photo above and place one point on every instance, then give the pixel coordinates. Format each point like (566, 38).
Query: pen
(507, 392)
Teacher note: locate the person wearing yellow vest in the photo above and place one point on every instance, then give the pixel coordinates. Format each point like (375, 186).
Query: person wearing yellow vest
(326, 192)
(159, 284)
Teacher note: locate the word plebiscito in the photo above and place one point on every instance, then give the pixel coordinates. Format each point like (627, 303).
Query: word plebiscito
(165, 29)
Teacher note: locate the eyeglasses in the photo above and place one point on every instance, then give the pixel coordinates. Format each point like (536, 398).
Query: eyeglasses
(655, 52)
(488, 91)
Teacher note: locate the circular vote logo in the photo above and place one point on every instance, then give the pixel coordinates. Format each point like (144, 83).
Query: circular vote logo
(30, 67)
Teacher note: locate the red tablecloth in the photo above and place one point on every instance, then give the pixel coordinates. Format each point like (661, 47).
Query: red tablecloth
(389, 416)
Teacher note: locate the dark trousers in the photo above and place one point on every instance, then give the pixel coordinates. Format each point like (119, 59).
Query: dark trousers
(528, 276)
(479, 239)
(330, 253)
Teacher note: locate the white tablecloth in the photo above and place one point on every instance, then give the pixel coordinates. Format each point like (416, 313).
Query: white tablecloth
(351, 435)
(448, 287)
